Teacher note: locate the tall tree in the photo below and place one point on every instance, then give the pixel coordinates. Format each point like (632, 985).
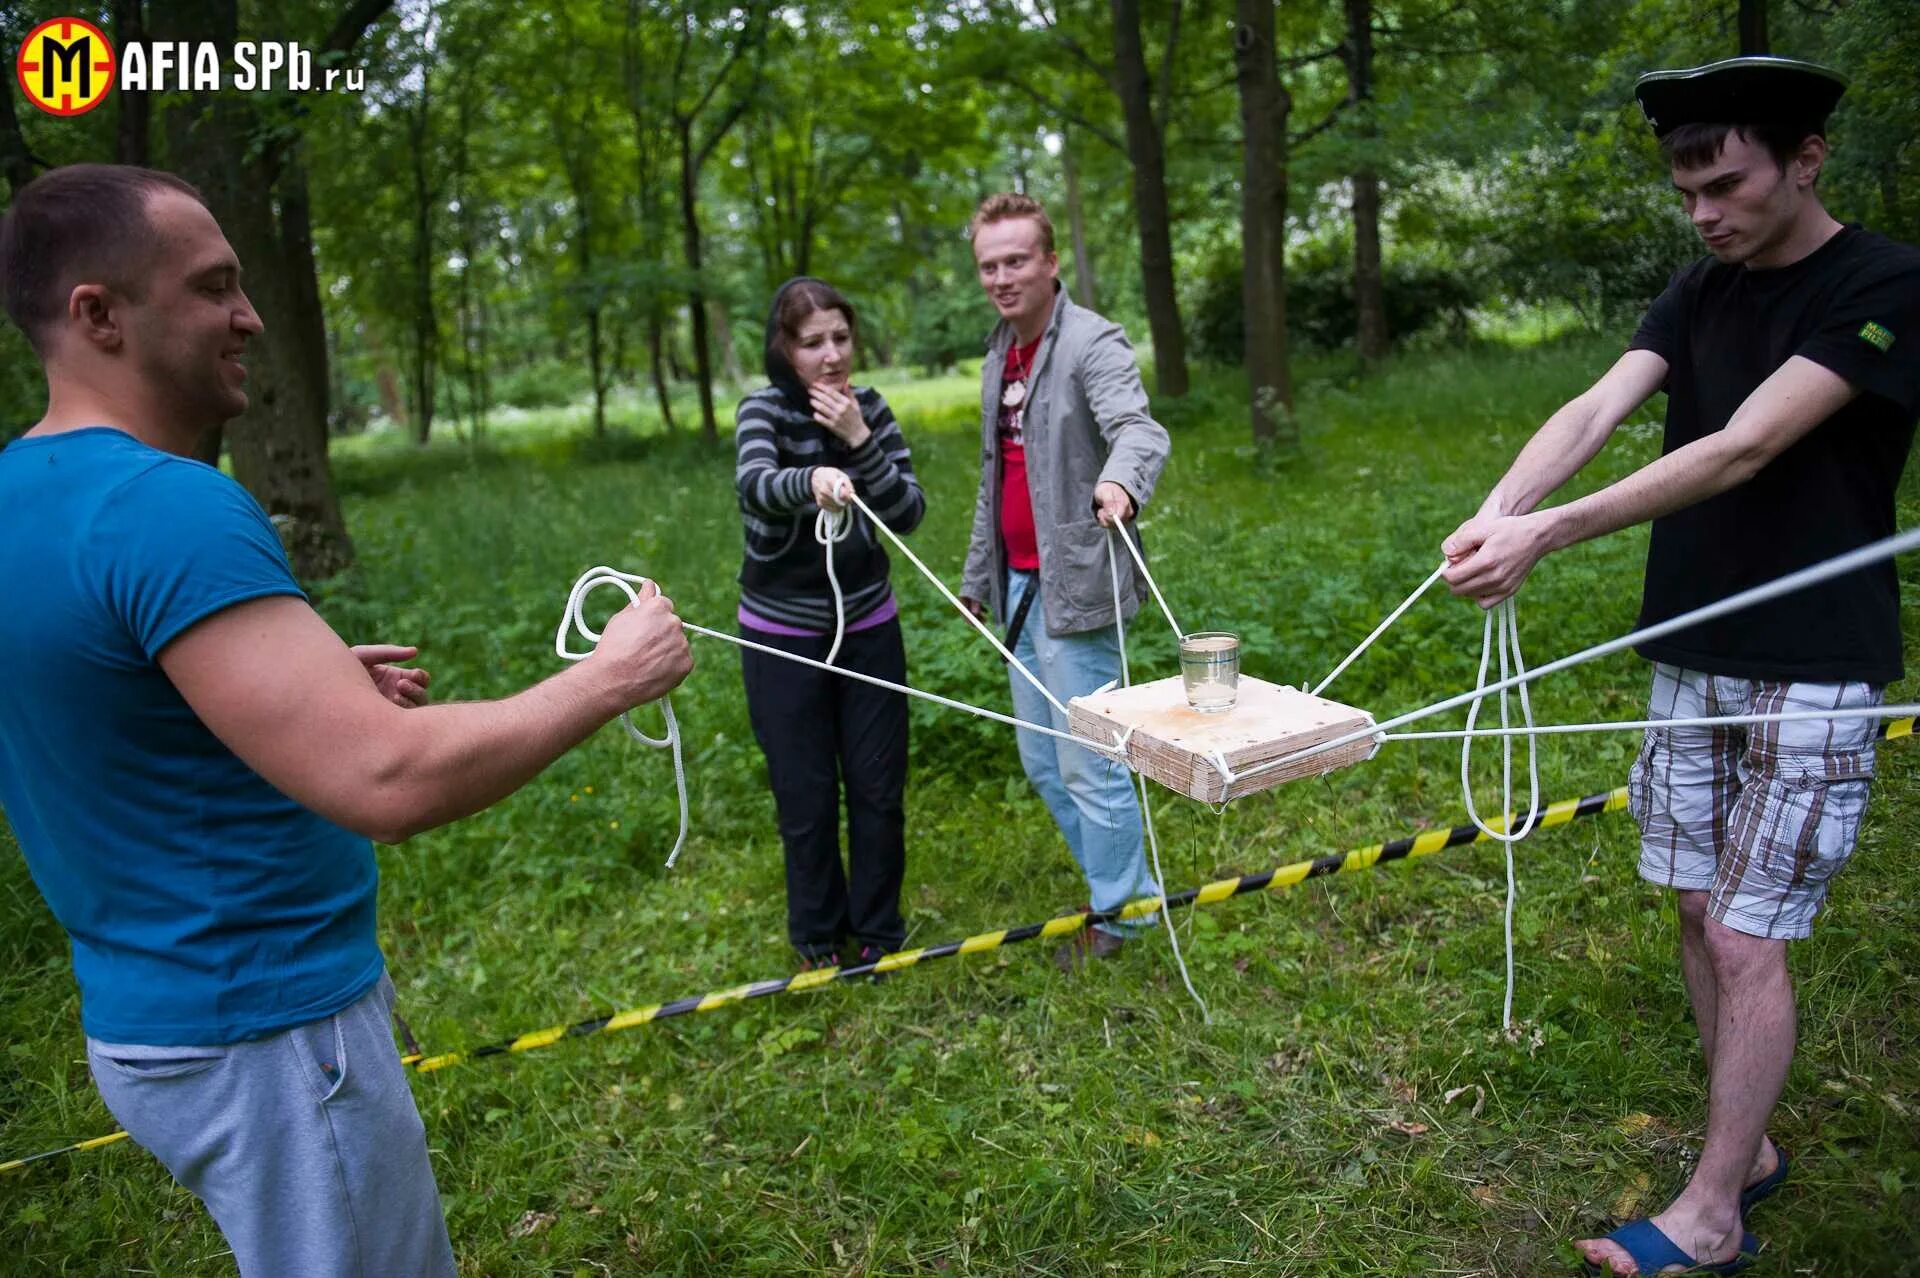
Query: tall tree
(423, 348)
(1086, 289)
(1145, 108)
(1753, 27)
(575, 118)
(133, 145)
(1369, 287)
(1265, 105)
(639, 60)
(17, 160)
(701, 121)
(225, 145)
(1146, 148)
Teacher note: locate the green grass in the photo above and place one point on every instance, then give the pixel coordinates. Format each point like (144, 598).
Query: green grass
(988, 1116)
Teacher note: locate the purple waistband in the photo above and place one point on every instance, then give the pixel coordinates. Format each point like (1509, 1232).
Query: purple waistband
(878, 617)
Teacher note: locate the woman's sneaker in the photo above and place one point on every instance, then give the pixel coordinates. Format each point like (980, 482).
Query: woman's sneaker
(869, 954)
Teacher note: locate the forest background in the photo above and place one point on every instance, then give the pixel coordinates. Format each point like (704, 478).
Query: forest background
(529, 206)
(513, 286)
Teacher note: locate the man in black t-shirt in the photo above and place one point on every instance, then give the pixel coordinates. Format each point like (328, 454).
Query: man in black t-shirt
(1791, 362)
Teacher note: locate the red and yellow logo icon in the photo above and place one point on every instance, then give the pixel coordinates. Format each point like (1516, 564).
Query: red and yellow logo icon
(65, 66)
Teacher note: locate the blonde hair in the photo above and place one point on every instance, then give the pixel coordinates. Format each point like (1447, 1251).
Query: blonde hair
(1011, 204)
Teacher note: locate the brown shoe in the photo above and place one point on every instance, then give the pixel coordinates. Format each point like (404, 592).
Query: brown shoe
(1088, 943)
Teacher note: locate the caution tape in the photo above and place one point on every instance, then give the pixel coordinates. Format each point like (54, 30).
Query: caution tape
(1425, 843)
(1275, 880)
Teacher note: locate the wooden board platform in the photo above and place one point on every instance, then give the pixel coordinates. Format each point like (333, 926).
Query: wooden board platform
(1174, 744)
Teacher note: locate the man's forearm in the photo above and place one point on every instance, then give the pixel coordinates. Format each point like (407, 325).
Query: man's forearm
(1567, 441)
(1705, 468)
(450, 761)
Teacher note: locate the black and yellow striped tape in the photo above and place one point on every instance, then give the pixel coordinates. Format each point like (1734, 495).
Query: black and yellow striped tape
(1275, 880)
(1425, 843)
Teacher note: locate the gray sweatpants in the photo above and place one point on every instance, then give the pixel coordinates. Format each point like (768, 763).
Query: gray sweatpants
(306, 1147)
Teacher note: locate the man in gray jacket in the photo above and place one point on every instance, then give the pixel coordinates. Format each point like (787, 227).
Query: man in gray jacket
(1069, 451)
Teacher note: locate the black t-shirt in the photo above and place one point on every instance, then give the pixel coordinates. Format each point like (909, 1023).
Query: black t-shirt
(1852, 306)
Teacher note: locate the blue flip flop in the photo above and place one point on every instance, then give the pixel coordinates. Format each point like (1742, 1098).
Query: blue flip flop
(1653, 1251)
(1764, 1188)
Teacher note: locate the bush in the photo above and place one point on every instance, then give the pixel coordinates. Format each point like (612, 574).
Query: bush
(545, 383)
(23, 389)
(944, 327)
(1321, 312)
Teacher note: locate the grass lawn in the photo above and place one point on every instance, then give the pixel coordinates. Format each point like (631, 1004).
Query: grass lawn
(1352, 1108)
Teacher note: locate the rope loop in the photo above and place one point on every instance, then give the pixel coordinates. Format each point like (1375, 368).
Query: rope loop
(830, 528)
(574, 620)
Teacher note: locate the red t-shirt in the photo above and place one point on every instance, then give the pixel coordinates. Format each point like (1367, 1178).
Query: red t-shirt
(1016, 502)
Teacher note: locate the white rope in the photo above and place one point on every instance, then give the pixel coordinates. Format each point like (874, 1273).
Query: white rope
(830, 528)
(574, 619)
(959, 607)
(1501, 629)
(1381, 628)
(1139, 779)
(979, 711)
(1154, 586)
(1873, 552)
(1636, 725)
(1507, 640)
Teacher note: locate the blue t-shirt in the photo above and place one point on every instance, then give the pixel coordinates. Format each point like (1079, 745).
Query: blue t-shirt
(204, 906)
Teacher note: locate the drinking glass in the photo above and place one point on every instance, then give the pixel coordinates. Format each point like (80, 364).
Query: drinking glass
(1210, 669)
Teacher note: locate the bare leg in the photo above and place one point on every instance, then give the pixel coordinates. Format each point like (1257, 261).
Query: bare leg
(1753, 1034)
(1696, 966)
(1703, 992)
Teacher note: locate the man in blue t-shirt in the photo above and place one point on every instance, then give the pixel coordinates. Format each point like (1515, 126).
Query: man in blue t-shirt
(194, 763)
(1791, 362)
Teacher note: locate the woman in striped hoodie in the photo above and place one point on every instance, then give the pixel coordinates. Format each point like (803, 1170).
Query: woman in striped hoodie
(803, 443)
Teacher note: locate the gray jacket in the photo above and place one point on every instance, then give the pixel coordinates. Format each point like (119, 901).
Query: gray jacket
(1086, 422)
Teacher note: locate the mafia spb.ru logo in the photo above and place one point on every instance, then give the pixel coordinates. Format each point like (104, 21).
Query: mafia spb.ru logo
(65, 66)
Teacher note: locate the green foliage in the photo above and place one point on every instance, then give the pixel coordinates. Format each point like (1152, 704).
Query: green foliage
(986, 1116)
(544, 383)
(946, 327)
(1421, 296)
(23, 389)
(1592, 222)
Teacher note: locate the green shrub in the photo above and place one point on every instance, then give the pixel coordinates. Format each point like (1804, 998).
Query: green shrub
(1420, 296)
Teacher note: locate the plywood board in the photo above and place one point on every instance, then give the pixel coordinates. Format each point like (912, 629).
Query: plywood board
(1175, 744)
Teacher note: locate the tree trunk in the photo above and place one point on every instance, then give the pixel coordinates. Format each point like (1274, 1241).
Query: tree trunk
(426, 327)
(132, 142)
(1086, 290)
(17, 162)
(696, 295)
(1753, 27)
(723, 340)
(1146, 151)
(1264, 107)
(296, 248)
(278, 444)
(1369, 286)
(656, 344)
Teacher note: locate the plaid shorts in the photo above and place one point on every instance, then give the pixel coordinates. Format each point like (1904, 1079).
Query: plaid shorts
(1761, 815)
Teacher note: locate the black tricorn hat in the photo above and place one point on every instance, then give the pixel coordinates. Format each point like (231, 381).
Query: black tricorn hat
(1752, 90)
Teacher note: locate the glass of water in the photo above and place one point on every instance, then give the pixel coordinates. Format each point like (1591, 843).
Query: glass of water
(1210, 669)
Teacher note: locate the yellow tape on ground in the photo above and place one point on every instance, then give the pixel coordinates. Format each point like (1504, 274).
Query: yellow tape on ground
(538, 1038)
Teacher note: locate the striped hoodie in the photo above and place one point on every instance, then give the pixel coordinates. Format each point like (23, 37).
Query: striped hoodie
(778, 445)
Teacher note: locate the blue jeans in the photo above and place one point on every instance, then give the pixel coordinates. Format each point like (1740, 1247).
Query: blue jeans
(1090, 796)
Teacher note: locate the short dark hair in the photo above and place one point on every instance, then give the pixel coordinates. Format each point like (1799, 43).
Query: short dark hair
(1694, 146)
(72, 224)
(802, 298)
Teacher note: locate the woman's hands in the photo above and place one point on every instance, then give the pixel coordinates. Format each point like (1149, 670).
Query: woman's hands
(831, 488)
(839, 412)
